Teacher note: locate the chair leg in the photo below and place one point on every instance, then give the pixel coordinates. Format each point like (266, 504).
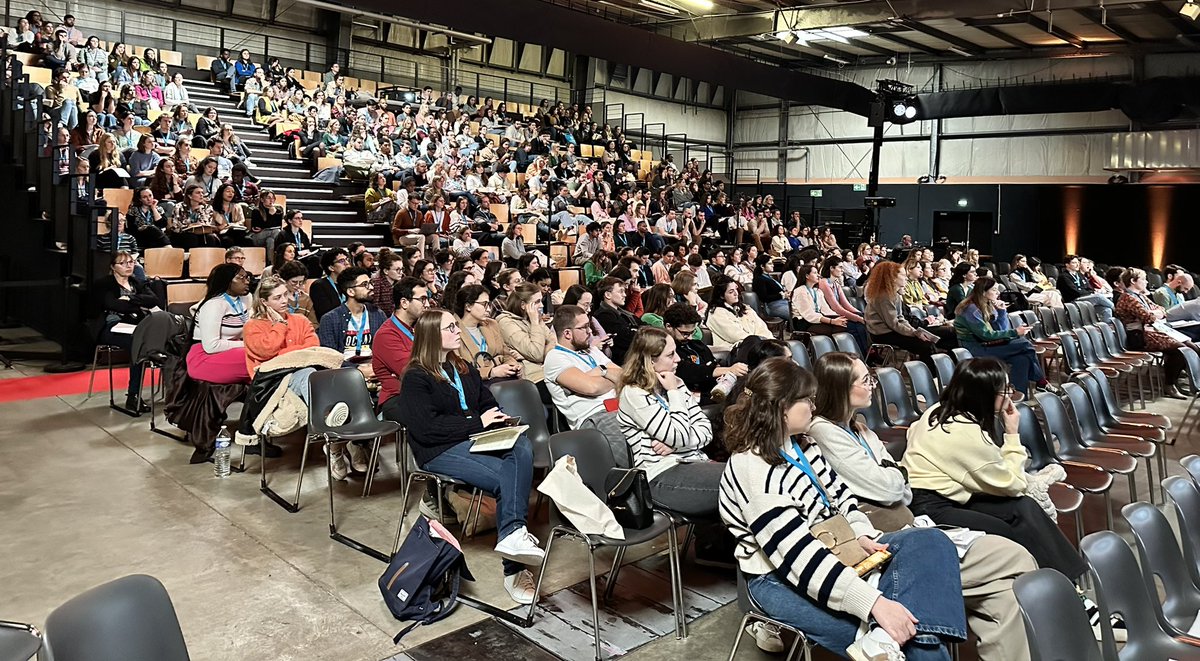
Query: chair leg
(371, 464)
(300, 477)
(677, 583)
(1132, 487)
(595, 605)
(403, 510)
(95, 362)
(471, 525)
(611, 581)
(1108, 512)
(737, 640)
(1078, 526)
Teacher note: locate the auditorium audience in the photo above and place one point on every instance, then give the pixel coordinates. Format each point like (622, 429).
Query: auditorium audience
(884, 314)
(1145, 331)
(218, 354)
(983, 327)
(729, 318)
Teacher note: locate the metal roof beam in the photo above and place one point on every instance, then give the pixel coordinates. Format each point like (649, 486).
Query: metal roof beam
(917, 26)
(1055, 31)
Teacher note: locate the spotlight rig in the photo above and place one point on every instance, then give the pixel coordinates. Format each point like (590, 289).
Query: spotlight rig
(894, 102)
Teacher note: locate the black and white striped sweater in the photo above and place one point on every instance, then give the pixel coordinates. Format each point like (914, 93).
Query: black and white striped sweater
(769, 510)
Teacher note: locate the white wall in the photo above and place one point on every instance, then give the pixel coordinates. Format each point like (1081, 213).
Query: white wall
(962, 156)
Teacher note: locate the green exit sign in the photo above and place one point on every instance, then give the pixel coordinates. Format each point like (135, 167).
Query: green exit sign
(816, 192)
(860, 188)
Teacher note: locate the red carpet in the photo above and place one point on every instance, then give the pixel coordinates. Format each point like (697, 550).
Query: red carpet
(76, 383)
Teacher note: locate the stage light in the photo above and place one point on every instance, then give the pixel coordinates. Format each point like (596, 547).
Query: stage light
(910, 112)
(1190, 9)
(787, 37)
(899, 109)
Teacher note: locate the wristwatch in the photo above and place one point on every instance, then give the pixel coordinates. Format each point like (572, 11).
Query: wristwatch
(604, 371)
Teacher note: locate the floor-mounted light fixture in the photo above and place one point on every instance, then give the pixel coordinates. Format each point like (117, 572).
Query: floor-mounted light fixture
(1190, 9)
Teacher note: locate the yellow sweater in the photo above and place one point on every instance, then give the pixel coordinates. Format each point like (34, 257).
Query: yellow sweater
(958, 460)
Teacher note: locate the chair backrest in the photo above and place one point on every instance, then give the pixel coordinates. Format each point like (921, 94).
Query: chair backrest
(1122, 336)
(1154, 280)
(1062, 319)
(1192, 367)
(944, 365)
(1085, 415)
(327, 388)
(751, 299)
(1120, 591)
(846, 342)
(185, 292)
(1087, 311)
(129, 619)
(822, 344)
(592, 455)
(1185, 496)
(1097, 339)
(1041, 451)
(1090, 357)
(1058, 423)
(1056, 623)
(1050, 271)
(873, 414)
(256, 260)
(1090, 384)
(922, 381)
(891, 384)
(1191, 464)
(1003, 268)
(1071, 353)
(520, 397)
(1160, 556)
(961, 354)
(164, 262)
(800, 354)
(201, 261)
(1073, 315)
(1106, 391)
(1109, 336)
(1049, 321)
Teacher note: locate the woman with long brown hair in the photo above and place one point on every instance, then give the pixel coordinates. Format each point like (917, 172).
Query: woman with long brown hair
(777, 487)
(444, 403)
(983, 328)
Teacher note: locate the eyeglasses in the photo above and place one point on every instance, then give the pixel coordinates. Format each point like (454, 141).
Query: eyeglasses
(368, 284)
(868, 381)
(1008, 390)
(483, 303)
(242, 276)
(239, 258)
(126, 262)
(453, 327)
(583, 329)
(341, 260)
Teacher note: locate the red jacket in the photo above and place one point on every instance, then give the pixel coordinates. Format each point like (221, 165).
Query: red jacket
(390, 353)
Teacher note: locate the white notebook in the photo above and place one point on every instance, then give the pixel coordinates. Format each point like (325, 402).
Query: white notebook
(497, 440)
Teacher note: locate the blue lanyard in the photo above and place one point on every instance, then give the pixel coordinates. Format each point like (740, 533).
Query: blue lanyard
(861, 441)
(1174, 297)
(341, 296)
(800, 461)
(294, 306)
(816, 305)
(582, 356)
(457, 383)
(360, 329)
(402, 328)
(481, 340)
(238, 308)
(662, 402)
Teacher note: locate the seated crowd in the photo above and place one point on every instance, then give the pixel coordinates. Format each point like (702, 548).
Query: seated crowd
(670, 274)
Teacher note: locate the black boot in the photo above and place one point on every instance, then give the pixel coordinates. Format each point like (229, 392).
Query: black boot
(137, 405)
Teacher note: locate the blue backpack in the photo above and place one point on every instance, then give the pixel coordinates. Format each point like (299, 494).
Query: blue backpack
(421, 582)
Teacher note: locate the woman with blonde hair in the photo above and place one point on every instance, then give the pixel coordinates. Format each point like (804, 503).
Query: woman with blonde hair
(665, 428)
(444, 403)
(273, 329)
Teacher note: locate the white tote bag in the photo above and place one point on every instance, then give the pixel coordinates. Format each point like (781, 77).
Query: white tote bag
(582, 508)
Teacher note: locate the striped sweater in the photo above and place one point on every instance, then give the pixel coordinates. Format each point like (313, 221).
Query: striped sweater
(674, 420)
(769, 510)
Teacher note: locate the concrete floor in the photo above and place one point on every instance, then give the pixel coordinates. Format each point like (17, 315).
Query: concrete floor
(248, 579)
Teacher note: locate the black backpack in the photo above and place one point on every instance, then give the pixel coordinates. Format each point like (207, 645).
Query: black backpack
(421, 582)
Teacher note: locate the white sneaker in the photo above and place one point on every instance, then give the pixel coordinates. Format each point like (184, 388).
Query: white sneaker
(337, 463)
(877, 645)
(766, 635)
(521, 587)
(358, 457)
(337, 415)
(520, 546)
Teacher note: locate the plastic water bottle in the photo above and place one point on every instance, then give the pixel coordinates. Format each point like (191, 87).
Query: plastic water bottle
(221, 454)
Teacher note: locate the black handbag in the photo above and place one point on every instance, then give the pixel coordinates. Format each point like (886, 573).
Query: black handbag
(628, 496)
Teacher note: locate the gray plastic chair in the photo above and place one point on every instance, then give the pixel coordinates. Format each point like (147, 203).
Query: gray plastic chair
(845, 342)
(1094, 437)
(594, 460)
(922, 381)
(1185, 496)
(18, 641)
(520, 397)
(1191, 464)
(1120, 590)
(800, 354)
(944, 365)
(961, 354)
(822, 344)
(754, 613)
(1160, 556)
(1056, 623)
(129, 619)
(891, 384)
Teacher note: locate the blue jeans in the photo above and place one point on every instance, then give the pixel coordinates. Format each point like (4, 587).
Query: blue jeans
(1104, 305)
(923, 576)
(859, 331)
(68, 114)
(507, 476)
(780, 309)
(1022, 359)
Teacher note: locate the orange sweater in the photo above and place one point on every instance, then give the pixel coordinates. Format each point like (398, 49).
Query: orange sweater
(266, 339)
